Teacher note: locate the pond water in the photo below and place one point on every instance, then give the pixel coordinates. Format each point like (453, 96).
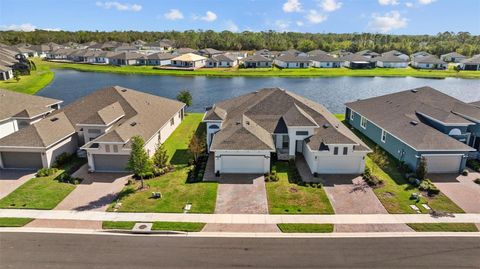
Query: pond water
(68, 85)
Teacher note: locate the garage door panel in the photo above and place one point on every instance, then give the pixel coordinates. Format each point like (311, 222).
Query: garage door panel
(339, 165)
(443, 163)
(22, 160)
(243, 164)
(110, 163)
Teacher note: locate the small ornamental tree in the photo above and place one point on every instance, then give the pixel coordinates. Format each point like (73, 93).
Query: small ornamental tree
(185, 96)
(16, 75)
(160, 157)
(379, 157)
(139, 163)
(196, 147)
(422, 169)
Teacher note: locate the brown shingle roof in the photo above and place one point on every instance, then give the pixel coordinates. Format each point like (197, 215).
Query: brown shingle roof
(14, 104)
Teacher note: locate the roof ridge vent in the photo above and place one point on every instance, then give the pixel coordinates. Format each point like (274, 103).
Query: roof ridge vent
(124, 90)
(326, 125)
(133, 124)
(54, 119)
(414, 90)
(414, 122)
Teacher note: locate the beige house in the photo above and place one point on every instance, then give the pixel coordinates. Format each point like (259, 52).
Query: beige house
(189, 60)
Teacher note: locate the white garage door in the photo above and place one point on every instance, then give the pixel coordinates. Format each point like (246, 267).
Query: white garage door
(443, 163)
(243, 164)
(22, 160)
(340, 165)
(110, 163)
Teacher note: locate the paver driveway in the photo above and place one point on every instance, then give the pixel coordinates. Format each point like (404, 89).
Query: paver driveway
(241, 194)
(12, 179)
(461, 189)
(96, 191)
(349, 194)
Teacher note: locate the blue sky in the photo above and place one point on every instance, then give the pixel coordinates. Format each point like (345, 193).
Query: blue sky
(316, 16)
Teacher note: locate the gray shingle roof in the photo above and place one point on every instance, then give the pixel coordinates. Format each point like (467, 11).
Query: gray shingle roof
(256, 58)
(293, 58)
(431, 59)
(395, 112)
(390, 58)
(324, 58)
(14, 104)
(252, 118)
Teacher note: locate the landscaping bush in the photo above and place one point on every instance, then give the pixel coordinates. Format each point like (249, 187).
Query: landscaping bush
(477, 180)
(427, 186)
(465, 172)
(45, 172)
(474, 165)
(371, 179)
(271, 177)
(422, 169)
(66, 178)
(63, 159)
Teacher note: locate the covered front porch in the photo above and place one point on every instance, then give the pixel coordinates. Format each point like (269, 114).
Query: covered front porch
(287, 147)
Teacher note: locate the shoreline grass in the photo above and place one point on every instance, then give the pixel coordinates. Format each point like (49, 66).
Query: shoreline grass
(305, 228)
(14, 222)
(443, 227)
(30, 84)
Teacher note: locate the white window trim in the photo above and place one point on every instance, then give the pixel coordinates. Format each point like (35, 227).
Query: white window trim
(363, 121)
(383, 137)
(351, 115)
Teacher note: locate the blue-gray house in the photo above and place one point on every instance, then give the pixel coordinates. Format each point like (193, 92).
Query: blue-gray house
(420, 122)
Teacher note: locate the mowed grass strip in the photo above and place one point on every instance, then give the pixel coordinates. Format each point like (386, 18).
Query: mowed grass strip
(173, 186)
(305, 228)
(32, 83)
(443, 227)
(157, 226)
(14, 222)
(395, 192)
(289, 198)
(270, 72)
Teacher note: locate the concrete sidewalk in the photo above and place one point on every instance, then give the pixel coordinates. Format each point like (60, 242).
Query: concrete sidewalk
(239, 218)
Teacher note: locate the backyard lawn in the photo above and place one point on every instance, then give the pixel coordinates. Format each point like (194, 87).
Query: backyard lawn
(305, 228)
(14, 222)
(31, 83)
(158, 225)
(176, 192)
(395, 192)
(42, 192)
(443, 227)
(289, 198)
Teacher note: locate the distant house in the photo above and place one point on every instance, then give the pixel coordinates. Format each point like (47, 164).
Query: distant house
(429, 62)
(391, 61)
(21, 110)
(102, 123)
(181, 51)
(159, 59)
(6, 72)
(237, 54)
(139, 43)
(59, 54)
(293, 52)
(397, 54)
(127, 58)
(221, 60)
(325, 61)
(316, 53)
(257, 61)
(209, 52)
(24, 51)
(368, 54)
(339, 53)
(125, 48)
(161, 45)
(471, 64)
(421, 122)
(244, 132)
(292, 61)
(452, 57)
(41, 50)
(419, 55)
(189, 61)
(356, 61)
(266, 53)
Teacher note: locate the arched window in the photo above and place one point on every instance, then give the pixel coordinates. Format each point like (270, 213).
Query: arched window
(213, 126)
(455, 131)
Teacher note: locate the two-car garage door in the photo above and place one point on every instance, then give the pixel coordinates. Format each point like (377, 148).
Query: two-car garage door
(110, 162)
(444, 163)
(22, 160)
(252, 164)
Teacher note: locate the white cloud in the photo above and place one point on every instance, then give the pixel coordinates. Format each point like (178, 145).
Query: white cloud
(387, 22)
(330, 5)
(119, 6)
(209, 16)
(52, 29)
(426, 2)
(299, 23)
(231, 26)
(25, 27)
(173, 14)
(409, 4)
(282, 25)
(292, 6)
(388, 2)
(315, 17)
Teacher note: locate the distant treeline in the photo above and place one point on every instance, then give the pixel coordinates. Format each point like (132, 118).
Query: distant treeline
(461, 42)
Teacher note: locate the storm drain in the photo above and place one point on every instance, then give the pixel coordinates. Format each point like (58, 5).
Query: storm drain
(142, 227)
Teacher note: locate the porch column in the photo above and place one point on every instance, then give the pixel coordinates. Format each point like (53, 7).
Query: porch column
(292, 144)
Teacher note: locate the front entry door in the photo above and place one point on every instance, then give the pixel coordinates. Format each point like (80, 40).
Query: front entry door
(299, 146)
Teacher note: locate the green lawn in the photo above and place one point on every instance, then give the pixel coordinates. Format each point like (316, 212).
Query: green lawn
(32, 83)
(42, 192)
(14, 222)
(176, 192)
(305, 228)
(38, 193)
(395, 192)
(158, 226)
(443, 227)
(289, 198)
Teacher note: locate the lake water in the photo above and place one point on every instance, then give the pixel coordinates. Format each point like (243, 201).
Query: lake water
(69, 85)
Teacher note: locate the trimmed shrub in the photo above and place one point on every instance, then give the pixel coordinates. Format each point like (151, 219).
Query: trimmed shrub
(370, 179)
(45, 172)
(477, 180)
(63, 159)
(474, 165)
(465, 172)
(427, 186)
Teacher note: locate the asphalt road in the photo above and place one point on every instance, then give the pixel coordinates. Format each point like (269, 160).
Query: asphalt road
(35, 250)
